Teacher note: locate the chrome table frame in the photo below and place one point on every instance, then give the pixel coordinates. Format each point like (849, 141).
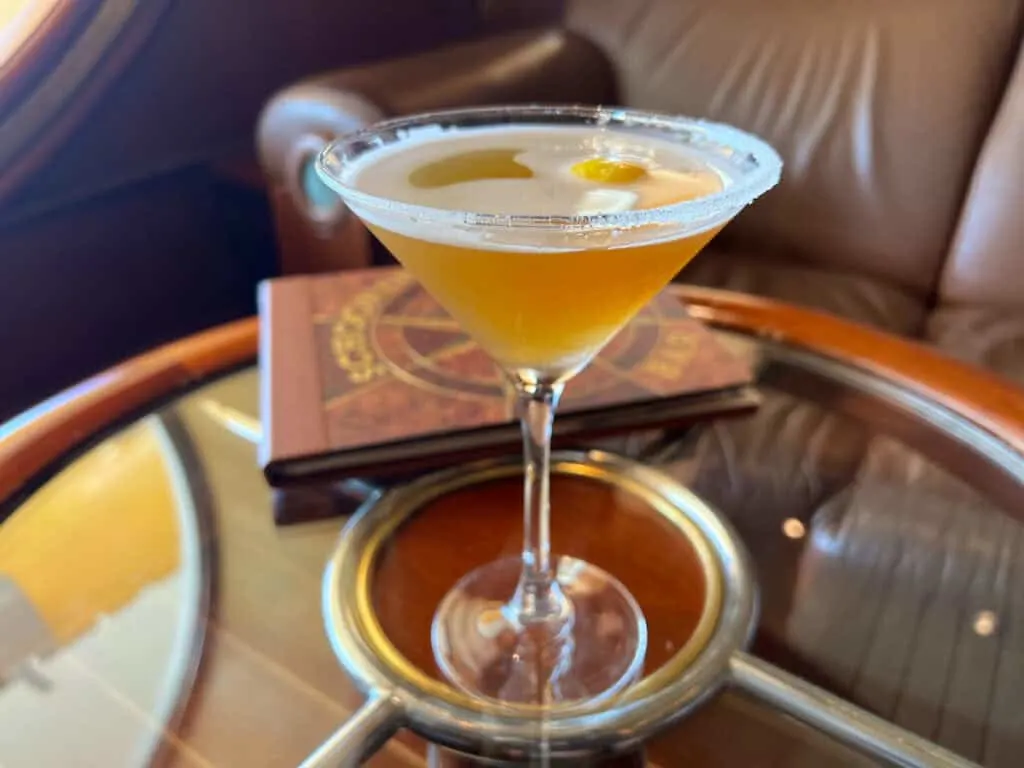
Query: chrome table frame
(401, 696)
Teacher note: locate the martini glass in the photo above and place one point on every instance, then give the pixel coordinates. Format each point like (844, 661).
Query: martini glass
(543, 293)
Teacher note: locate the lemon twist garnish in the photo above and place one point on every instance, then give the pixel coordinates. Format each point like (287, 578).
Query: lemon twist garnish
(606, 171)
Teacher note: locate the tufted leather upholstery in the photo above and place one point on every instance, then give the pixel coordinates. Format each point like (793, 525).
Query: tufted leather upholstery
(980, 316)
(842, 292)
(986, 259)
(878, 124)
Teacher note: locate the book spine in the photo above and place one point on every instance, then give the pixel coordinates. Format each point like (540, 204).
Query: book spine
(294, 424)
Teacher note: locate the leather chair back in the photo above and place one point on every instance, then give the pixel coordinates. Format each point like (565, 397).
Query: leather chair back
(879, 108)
(986, 264)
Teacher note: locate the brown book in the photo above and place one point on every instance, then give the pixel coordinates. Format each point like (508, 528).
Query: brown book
(364, 375)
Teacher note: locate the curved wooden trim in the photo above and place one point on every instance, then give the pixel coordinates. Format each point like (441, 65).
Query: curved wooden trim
(988, 400)
(42, 121)
(27, 28)
(36, 38)
(72, 416)
(58, 425)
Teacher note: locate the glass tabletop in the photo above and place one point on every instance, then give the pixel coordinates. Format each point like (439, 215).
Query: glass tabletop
(151, 612)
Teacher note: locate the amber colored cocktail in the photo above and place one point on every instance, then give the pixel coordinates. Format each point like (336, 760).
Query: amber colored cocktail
(545, 311)
(543, 230)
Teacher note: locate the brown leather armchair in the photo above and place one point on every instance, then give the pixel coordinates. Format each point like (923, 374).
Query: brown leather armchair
(900, 191)
(315, 231)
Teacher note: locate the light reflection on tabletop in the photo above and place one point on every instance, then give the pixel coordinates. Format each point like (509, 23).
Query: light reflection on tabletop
(101, 604)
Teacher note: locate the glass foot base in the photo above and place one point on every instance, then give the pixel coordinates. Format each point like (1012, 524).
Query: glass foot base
(484, 649)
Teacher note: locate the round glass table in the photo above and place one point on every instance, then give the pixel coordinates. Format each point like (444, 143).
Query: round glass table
(153, 613)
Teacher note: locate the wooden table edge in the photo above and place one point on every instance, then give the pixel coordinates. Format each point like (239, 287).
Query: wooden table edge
(988, 400)
(71, 418)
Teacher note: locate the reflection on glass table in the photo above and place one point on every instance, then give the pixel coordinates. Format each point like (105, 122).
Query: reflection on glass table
(102, 603)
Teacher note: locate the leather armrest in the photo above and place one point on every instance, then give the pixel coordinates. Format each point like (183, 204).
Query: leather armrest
(315, 231)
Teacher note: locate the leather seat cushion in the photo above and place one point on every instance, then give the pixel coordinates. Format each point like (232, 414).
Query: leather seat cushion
(991, 337)
(983, 265)
(854, 297)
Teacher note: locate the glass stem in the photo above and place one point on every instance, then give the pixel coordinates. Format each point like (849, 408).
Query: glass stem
(538, 597)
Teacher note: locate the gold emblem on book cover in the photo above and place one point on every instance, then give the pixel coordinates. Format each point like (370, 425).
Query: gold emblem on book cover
(350, 337)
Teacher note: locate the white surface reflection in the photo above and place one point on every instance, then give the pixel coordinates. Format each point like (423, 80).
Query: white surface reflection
(793, 528)
(123, 631)
(986, 623)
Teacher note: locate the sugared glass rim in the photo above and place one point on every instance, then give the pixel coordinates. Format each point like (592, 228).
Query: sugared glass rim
(744, 188)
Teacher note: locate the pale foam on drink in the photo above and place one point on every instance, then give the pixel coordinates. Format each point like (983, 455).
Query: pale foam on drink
(537, 170)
